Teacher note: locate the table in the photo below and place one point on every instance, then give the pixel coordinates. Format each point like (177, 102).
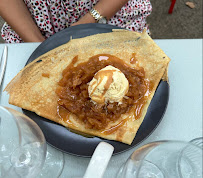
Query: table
(183, 117)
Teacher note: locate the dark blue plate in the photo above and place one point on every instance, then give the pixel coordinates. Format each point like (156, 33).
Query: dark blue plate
(72, 143)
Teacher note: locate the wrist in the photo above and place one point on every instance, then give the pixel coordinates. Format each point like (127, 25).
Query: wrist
(87, 18)
(97, 16)
(33, 38)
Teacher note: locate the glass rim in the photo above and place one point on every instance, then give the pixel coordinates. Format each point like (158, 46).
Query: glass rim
(5, 110)
(149, 147)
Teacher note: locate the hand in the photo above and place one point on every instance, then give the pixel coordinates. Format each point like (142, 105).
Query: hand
(74, 24)
(106, 8)
(87, 18)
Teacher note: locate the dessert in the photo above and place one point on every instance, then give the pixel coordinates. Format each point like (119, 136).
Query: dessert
(108, 85)
(63, 84)
(75, 91)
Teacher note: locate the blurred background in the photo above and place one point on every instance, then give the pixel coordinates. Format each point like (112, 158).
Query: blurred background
(184, 22)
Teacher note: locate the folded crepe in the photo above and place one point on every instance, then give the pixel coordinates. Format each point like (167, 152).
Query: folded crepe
(33, 88)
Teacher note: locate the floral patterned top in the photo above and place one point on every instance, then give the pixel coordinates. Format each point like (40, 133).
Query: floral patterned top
(52, 16)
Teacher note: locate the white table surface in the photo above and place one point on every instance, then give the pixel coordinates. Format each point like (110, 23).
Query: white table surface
(183, 117)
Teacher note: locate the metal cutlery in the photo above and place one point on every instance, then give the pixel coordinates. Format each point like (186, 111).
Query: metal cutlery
(3, 64)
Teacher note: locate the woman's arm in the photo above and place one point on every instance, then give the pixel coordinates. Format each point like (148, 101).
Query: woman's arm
(16, 14)
(106, 8)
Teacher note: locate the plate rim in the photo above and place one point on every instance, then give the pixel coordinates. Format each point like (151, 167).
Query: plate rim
(101, 139)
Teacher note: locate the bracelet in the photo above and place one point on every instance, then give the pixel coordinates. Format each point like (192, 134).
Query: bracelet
(96, 15)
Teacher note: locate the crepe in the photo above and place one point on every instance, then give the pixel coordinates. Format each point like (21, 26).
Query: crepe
(34, 86)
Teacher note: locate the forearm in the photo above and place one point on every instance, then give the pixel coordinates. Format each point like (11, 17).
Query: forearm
(16, 14)
(106, 8)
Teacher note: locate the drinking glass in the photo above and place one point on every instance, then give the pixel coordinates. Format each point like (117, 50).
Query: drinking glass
(23, 149)
(165, 159)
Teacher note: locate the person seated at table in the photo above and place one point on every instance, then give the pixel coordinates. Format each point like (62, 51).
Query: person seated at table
(36, 20)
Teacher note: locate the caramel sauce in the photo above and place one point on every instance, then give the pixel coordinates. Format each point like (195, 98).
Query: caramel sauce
(114, 128)
(149, 86)
(101, 75)
(74, 97)
(103, 58)
(109, 75)
(94, 84)
(133, 59)
(75, 59)
(46, 75)
(64, 114)
(135, 111)
(138, 110)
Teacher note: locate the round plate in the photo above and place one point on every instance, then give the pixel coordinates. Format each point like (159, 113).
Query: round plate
(69, 142)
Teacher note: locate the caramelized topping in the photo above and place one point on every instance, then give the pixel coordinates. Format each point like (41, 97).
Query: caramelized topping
(133, 60)
(114, 128)
(74, 97)
(102, 74)
(46, 75)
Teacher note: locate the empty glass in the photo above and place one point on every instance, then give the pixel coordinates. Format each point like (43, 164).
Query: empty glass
(165, 159)
(23, 148)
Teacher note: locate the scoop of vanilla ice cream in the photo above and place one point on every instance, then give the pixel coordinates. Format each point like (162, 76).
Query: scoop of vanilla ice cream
(108, 85)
